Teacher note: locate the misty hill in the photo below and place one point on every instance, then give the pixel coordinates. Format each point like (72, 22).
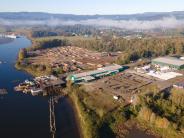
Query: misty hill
(46, 16)
(142, 21)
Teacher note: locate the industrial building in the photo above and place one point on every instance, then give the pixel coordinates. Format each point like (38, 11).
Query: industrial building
(96, 74)
(171, 62)
(49, 81)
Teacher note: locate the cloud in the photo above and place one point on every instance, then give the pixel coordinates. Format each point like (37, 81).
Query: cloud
(165, 23)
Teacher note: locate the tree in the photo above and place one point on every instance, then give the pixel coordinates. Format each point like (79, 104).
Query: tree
(145, 113)
(22, 54)
(162, 122)
(177, 97)
(152, 118)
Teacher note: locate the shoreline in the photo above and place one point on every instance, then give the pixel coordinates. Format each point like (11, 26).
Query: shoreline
(76, 116)
(27, 70)
(33, 73)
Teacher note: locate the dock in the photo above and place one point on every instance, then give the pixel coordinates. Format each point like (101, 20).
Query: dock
(52, 117)
(40, 85)
(3, 92)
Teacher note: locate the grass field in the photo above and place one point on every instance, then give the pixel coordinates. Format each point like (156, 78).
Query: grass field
(100, 102)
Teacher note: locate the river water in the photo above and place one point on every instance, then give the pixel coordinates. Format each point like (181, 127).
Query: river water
(23, 115)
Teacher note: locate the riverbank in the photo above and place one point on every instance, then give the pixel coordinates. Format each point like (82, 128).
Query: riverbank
(76, 116)
(66, 124)
(87, 127)
(23, 60)
(23, 64)
(33, 70)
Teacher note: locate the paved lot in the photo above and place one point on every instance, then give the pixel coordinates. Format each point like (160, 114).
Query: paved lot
(123, 84)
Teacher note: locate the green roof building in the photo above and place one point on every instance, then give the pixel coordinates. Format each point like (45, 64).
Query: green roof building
(95, 74)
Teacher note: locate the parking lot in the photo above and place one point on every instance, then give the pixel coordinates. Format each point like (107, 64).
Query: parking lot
(123, 84)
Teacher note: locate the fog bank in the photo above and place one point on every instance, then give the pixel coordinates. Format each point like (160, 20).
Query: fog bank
(166, 23)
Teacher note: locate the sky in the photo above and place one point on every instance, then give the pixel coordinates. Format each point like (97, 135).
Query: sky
(91, 6)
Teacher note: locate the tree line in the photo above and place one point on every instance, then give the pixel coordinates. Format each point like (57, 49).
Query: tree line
(47, 43)
(164, 110)
(134, 49)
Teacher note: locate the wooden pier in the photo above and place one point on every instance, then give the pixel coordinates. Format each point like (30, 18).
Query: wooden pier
(52, 117)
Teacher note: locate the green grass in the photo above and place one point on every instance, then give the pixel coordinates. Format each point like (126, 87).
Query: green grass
(95, 101)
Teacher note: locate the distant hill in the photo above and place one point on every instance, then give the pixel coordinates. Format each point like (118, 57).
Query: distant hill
(45, 16)
(143, 21)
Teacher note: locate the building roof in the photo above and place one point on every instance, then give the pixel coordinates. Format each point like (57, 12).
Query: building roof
(99, 71)
(111, 67)
(169, 60)
(88, 73)
(88, 78)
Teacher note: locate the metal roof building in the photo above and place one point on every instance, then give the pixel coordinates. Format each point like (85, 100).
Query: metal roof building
(95, 74)
(171, 62)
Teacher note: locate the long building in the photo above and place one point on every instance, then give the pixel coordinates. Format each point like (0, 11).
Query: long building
(170, 62)
(12, 36)
(96, 74)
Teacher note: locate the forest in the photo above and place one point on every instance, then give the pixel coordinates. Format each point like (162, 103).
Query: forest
(163, 111)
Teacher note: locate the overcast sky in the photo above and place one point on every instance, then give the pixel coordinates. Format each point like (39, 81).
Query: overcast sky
(91, 6)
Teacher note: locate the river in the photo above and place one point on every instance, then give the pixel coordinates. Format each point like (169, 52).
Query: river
(23, 115)
(5, 40)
